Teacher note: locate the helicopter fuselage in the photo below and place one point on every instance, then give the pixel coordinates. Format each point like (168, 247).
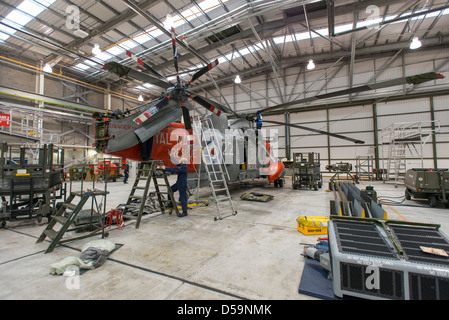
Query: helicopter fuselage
(116, 137)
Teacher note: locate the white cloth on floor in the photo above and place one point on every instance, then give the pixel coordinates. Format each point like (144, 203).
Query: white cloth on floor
(93, 255)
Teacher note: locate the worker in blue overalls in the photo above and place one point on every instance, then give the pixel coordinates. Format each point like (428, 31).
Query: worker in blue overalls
(126, 172)
(181, 184)
(259, 121)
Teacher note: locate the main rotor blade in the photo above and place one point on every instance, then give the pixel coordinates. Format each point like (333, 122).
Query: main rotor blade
(186, 117)
(158, 121)
(415, 80)
(121, 71)
(203, 70)
(145, 65)
(317, 131)
(175, 53)
(212, 106)
(144, 116)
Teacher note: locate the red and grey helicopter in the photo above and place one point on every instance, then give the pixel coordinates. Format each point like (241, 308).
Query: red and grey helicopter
(151, 130)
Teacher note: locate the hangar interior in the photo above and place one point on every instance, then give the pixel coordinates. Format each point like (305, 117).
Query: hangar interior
(322, 74)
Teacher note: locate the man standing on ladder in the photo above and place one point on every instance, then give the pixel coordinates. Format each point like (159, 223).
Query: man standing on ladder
(181, 184)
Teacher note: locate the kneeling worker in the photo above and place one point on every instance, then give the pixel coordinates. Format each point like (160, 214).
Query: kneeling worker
(181, 184)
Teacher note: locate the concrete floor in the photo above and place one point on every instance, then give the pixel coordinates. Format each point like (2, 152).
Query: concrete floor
(255, 254)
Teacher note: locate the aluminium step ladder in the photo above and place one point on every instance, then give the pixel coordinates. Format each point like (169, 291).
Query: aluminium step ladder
(147, 173)
(66, 215)
(397, 165)
(213, 160)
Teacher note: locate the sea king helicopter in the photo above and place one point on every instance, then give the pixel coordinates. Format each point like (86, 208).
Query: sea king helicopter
(151, 132)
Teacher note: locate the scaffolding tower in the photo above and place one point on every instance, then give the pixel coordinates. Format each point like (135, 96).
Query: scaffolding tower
(402, 143)
(365, 167)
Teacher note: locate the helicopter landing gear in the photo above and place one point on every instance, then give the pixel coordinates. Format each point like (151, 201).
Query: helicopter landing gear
(279, 183)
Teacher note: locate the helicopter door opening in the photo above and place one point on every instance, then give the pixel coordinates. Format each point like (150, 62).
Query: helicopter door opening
(101, 134)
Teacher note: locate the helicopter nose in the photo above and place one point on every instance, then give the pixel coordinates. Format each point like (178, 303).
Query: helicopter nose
(275, 170)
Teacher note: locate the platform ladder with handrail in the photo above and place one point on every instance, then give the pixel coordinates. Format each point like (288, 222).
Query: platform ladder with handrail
(213, 160)
(405, 141)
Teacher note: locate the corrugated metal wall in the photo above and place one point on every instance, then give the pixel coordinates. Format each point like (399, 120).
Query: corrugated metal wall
(357, 121)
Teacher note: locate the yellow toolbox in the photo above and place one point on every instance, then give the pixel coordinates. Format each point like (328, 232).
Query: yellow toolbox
(311, 225)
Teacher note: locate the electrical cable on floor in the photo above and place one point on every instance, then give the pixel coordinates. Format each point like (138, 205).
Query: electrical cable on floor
(392, 197)
(399, 204)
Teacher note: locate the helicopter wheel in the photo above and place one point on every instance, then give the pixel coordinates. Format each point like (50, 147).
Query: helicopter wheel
(278, 183)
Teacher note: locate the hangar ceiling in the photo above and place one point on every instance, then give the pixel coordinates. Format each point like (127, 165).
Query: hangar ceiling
(248, 38)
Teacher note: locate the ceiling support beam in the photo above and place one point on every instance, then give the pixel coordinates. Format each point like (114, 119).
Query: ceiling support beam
(274, 67)
(156, 23)
(46, 99)
(381, 70)
(398, 19)
(269, 28)
(107, 26)
(352, 60)
(325, 73)
(362, 53)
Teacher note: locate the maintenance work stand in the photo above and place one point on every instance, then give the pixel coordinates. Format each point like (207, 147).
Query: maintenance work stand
(306, 171)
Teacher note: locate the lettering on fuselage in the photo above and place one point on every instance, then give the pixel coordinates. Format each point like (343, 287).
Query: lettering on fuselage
(121, 126)
(162, 138)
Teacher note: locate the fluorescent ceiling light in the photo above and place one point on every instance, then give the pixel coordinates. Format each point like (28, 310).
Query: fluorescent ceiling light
(140, 98)
(168, 23)
(96, 49)
(415, 44)
(311, 65)
(237, 79)
(48, 68)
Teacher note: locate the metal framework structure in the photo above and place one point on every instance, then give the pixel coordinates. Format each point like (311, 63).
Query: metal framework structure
(250, 38)
(364, 167)
(403, 142)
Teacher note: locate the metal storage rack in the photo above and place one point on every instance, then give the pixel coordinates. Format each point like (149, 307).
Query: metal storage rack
(28, 189)
(306, 171)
